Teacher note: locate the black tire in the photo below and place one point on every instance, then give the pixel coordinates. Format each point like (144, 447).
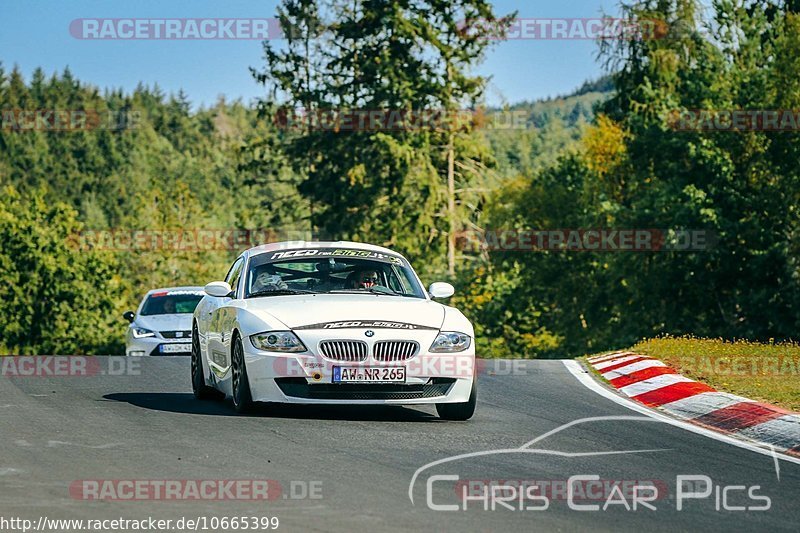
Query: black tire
(199, 387)
(460, 411)
(242, 397)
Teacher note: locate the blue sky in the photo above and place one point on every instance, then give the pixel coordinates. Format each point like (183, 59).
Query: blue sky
(36, 33)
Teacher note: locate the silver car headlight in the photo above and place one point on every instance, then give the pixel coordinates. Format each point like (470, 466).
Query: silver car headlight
(450, 342)
(140, 333)
(277, 341)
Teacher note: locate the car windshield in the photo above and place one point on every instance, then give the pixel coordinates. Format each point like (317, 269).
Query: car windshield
(171, 302)
(331, 271)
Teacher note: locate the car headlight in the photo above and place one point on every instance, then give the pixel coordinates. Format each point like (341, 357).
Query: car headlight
(277, 341)
(139, 333)
(450, 342)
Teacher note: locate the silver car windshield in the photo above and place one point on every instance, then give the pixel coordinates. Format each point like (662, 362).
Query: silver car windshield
(168, 304)
(390, 276)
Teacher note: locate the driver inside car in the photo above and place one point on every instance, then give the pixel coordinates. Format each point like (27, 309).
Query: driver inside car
(268, 282)
(169, 306)
(365, 279)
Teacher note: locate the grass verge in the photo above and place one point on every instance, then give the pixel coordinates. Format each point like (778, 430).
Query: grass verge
(765, 372)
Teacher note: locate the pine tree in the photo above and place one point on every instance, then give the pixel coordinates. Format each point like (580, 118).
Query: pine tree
(382, 184)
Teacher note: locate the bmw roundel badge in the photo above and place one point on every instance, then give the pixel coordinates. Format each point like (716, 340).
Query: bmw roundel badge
(369, 333)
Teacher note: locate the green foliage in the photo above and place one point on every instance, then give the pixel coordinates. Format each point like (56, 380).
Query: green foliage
(594, 159)
(384, 186)
(161, 166)
(152, 164)
(57, 299)
(552, 126)
(633, 169)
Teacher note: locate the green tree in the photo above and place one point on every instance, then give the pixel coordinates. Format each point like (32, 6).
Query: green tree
(58, 298)
(635, 169)
(153, 164)
(382, 185)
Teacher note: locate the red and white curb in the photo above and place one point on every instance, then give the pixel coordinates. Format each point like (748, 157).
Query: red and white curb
(654, 384)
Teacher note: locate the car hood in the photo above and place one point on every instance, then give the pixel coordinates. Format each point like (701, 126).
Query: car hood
(330, 311)
(182, 321)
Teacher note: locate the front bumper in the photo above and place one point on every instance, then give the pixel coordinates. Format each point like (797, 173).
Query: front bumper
(152, 346)
(308, 379)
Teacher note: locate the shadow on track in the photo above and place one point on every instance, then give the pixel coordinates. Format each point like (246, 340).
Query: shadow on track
(177, 402)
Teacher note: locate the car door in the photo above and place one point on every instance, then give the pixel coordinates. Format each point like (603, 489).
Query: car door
(218, 355)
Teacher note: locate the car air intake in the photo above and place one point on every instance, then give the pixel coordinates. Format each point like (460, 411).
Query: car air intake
(344, 350)
(391, 351)
(176, 334)
(300, 388)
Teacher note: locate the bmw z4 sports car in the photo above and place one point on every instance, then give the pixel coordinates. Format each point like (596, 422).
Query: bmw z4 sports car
(331, 323)
(162, 323)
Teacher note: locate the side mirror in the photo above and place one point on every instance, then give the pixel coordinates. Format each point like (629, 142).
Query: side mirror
(441, 289)
(218, 289)
(129, 316)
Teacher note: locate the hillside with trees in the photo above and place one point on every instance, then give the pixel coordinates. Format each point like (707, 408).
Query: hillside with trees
(607, 156)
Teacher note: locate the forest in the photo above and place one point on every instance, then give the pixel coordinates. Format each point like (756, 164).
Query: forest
(80, 165)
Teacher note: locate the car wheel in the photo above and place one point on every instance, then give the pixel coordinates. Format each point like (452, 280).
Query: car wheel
(242, 397)
(199, 387)
(460, 411)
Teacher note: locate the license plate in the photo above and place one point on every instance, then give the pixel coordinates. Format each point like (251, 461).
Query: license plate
(354, 374)
(176, 348)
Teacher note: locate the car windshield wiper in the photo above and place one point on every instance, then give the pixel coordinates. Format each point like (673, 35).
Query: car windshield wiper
(278, 292)
(378, 289)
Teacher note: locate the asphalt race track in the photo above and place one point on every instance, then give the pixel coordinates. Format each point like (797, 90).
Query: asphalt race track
(358, 462)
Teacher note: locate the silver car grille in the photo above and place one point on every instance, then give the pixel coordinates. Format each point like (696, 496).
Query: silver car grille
(391, 351)
(344, 350)
(177, 334)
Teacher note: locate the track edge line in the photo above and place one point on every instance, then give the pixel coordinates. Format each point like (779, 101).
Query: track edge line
(585, 378)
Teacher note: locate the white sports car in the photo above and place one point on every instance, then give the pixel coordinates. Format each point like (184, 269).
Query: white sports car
(331, 323)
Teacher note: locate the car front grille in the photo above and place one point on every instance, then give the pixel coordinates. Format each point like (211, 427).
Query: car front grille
(391, 351)
(344, 350)
(177, 334)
